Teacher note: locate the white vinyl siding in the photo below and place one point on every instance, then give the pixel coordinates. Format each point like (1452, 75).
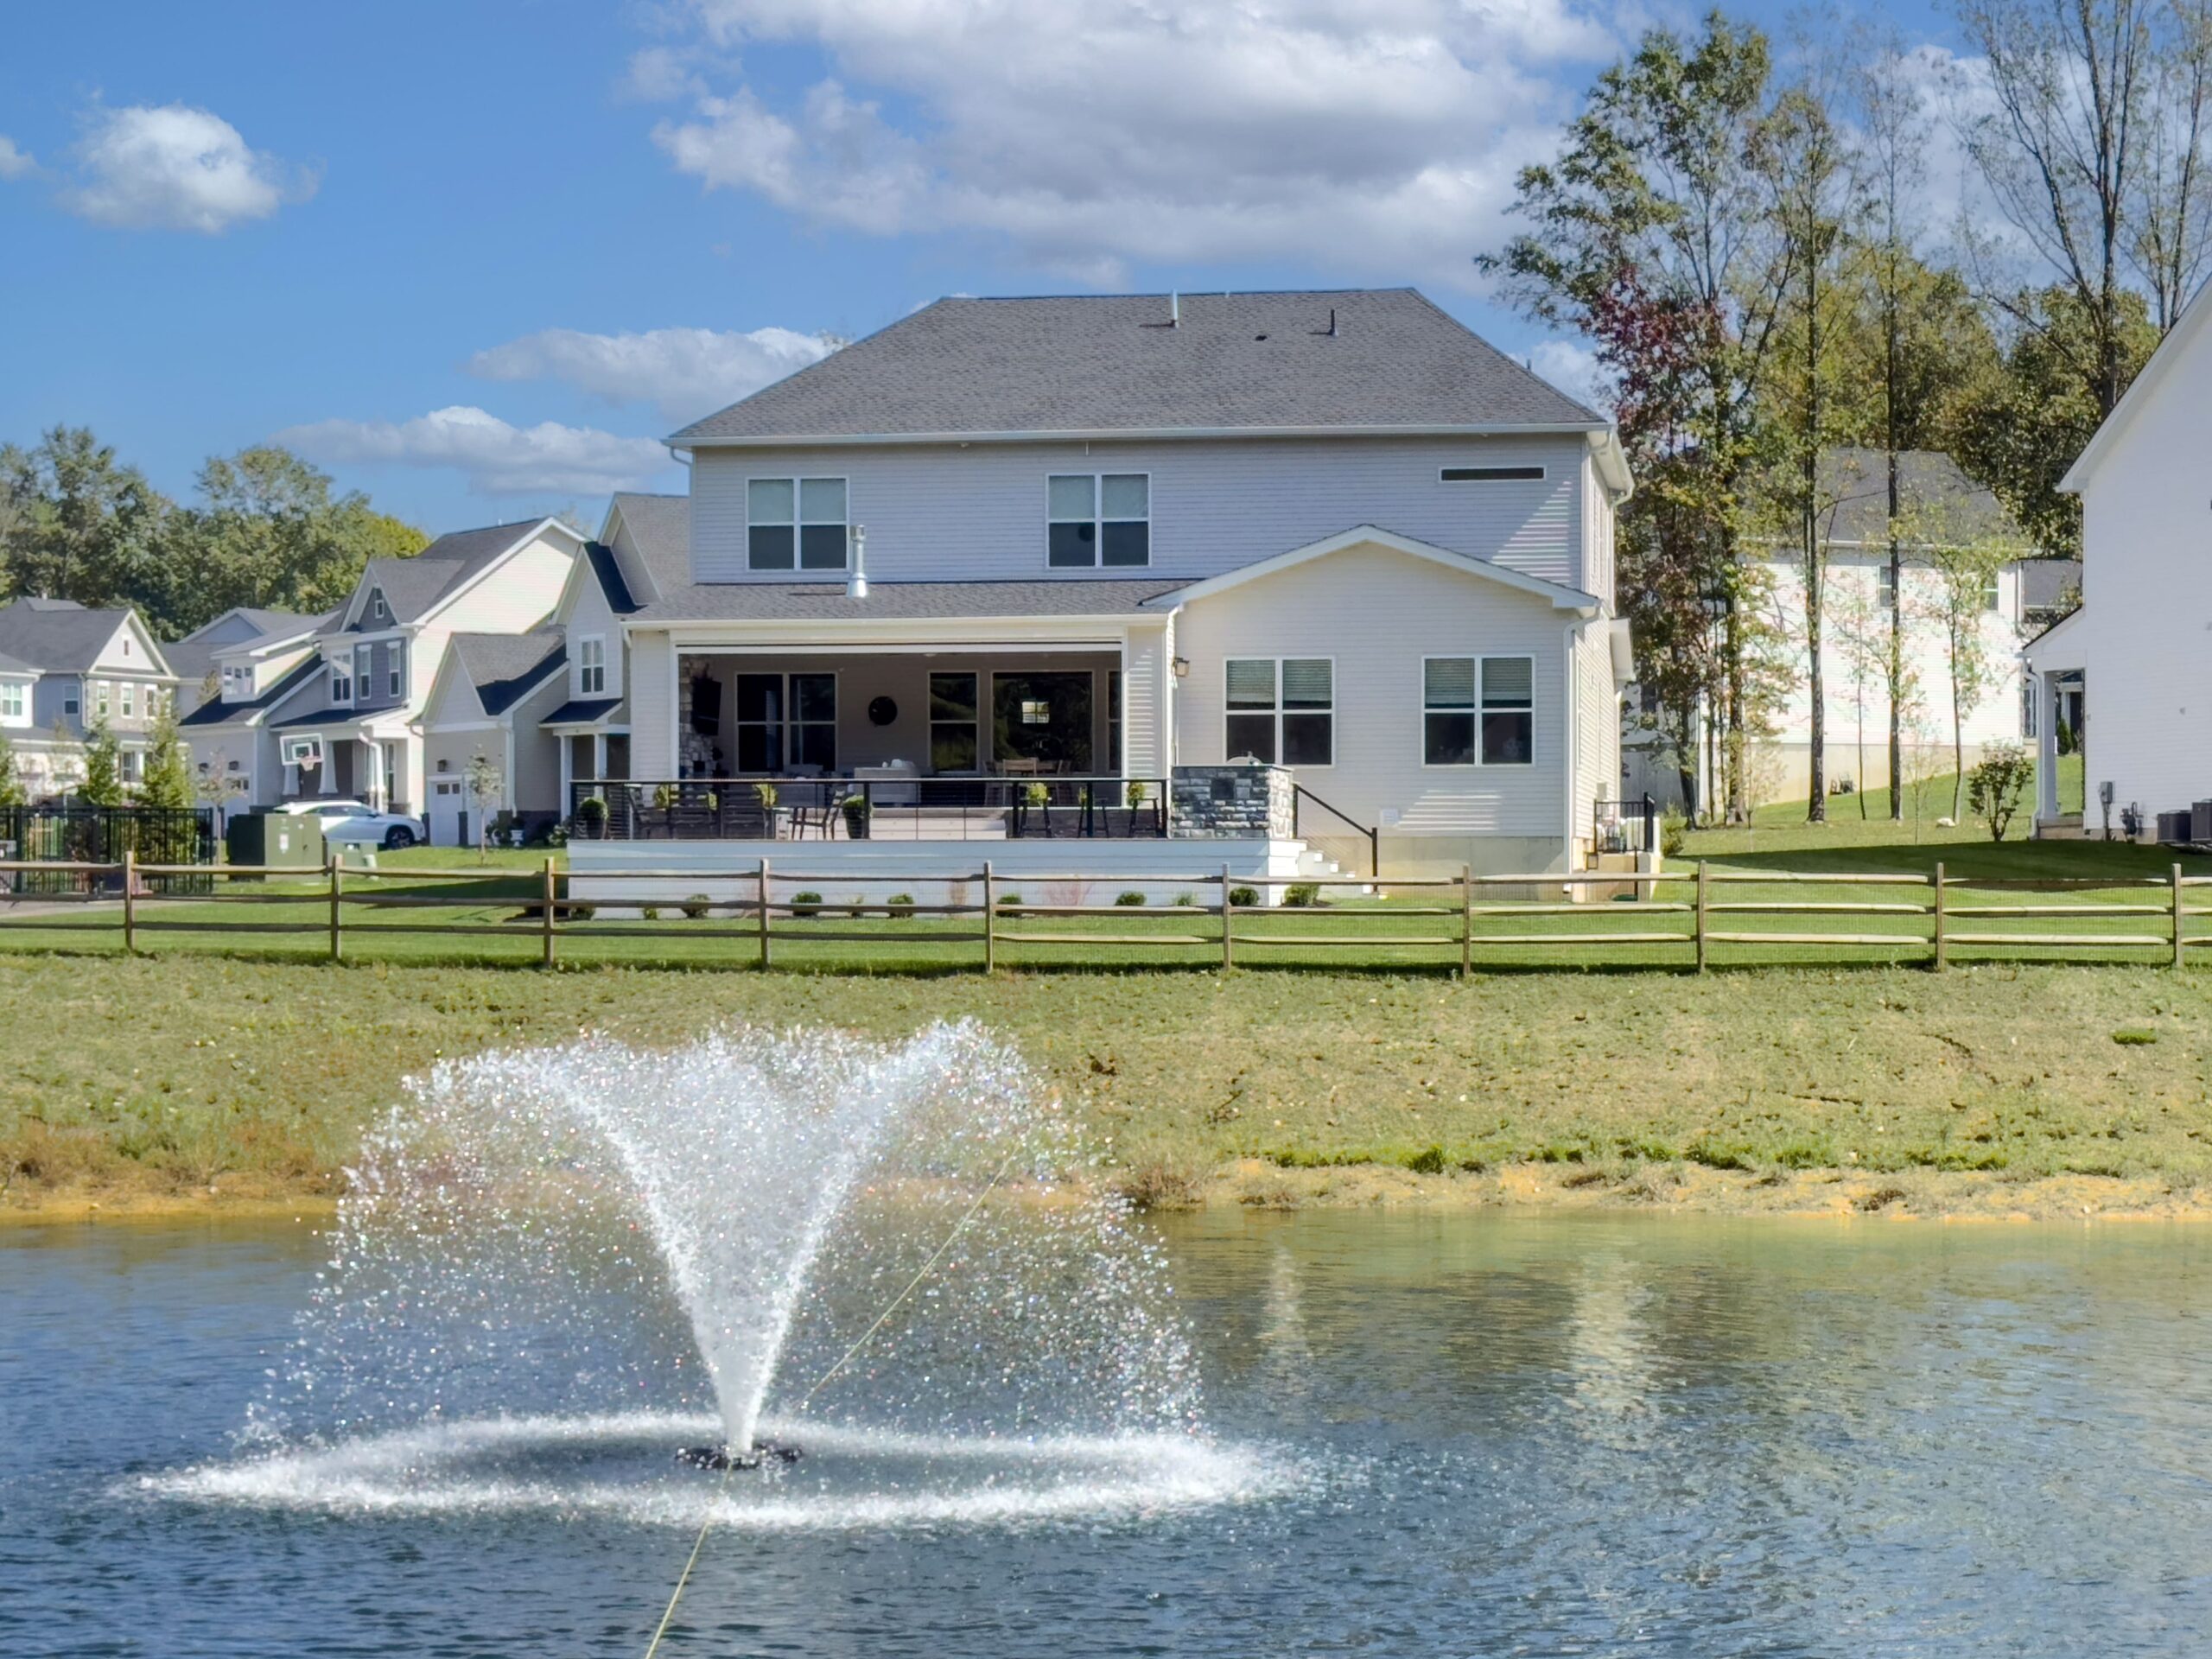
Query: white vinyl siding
(941, 512)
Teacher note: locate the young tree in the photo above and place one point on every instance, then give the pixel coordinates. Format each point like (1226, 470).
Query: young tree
(64, 758)
(1967, 569)
(1861, 630)
(485, 786)
(103, 784)
(12, 792)
(168, 778)
(1648, 235)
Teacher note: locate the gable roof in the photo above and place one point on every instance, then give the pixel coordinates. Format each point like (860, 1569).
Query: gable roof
(1561, 597)
(247, 710)
(414, 586)
(607, 571)
(15, 665)
(660, 533)
(59, 636)
(1375, 358)
(890, 601)
(2178, 344)
(1855, 481)
(507, 667)
(242, 627)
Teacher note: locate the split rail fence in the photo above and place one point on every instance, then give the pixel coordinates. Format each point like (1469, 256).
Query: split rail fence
(1672, 919)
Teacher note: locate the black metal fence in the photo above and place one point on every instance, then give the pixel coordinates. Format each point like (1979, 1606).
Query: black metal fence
(102, 835)
(1625, 826)
(868, 808)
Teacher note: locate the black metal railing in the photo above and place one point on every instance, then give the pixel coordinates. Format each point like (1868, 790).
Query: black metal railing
(865, 808)
(102, 835)
(1625, 826)
(1300, 794)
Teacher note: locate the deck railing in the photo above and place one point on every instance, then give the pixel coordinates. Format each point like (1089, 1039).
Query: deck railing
(864, 809)
(742, 916)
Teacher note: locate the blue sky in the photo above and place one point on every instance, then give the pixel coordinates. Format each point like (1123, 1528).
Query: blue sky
(226, 222)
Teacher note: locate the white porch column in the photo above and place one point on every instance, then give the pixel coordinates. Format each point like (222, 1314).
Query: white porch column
(1147, 701)
(2046, 746)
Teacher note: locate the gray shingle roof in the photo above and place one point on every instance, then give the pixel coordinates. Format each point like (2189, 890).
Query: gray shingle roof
(1102, 363)
(216, 712)
(193, 658)
(2045, 583)
(412, 586)
(609, 573)
(1947, 504)
(583, 711)
(55, 636)
(825, 601)
(15, 665)
(507, 667)
(660, 529)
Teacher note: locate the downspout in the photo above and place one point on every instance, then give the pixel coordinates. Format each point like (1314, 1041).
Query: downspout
(1573, 723)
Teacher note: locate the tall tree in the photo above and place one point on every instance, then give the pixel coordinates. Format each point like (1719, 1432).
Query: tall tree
(1646, 236)
(78, 524)
(2093, 151)
(269, 532)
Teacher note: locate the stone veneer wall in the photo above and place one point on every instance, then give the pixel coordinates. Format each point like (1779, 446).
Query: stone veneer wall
(1234, 803)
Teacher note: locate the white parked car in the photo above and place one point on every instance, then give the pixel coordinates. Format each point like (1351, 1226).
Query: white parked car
(355, 823)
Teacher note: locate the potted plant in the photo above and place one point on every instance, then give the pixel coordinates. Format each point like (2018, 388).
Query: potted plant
(1134, 793)
(591, 817)
(856, 810)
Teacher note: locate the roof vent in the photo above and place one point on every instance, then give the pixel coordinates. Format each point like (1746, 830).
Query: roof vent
(857, 584)
(1174, 309)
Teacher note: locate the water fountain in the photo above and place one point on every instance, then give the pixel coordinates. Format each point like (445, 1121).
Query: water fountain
(558, 1266)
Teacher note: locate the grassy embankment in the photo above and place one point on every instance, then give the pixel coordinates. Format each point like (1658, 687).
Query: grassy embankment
(1998, 1088)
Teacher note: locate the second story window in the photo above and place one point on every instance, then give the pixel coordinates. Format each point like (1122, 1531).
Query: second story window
(130, 701)
(341, 685)
(365, 672)
(591, 668)
(99, 698)
(795, 524)
(397, 674)
(14, 704)
(1098, 519)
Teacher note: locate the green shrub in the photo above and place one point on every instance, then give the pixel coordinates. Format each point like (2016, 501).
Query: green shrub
(695, 906)
(1240, 896)
(578, 912)
(651, 912)
(806, 903)
(1673, 833)
(1302, 895)
(2133, 1036)
(902, 906)
(1184, 901)
(1429, 1160)
(1995, 786)
(1008, 900)
(1132, 897)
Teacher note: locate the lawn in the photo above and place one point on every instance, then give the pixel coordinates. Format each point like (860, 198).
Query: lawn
(172, 1075)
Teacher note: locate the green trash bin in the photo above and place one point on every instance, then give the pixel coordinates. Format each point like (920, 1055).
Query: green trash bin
(284, 841)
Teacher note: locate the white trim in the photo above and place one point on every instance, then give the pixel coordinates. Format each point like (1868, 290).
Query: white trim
(1276, 713)
(1098, 520)
(2171, 350)
(1563, 598)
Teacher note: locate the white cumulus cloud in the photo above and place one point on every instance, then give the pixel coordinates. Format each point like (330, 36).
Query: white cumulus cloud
(497, 457)
(683, 372)
(14, 163)
(1573, 368)
(1378, 137)
(176, 168)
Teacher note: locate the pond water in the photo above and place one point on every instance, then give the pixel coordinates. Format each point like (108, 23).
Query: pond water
(1467, 1434)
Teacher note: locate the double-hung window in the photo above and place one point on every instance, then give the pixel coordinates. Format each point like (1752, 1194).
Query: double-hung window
(365, 673)
(953, 724)
(130, 693)
(100, 698)
(396, 657)
(591, 667)
(1885, 586)
(1478, 709)
(341, 684)
(1992, 595)
(1281, 710)
(1098, 519)
(12, 702)
(795, 524)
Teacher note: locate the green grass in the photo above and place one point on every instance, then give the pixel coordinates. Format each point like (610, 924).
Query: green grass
(169, 1074)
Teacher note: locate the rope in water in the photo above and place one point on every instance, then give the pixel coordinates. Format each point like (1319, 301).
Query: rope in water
(683, 1578)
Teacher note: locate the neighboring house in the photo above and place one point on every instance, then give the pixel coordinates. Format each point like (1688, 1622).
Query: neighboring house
(214, 653)
(487, 701)
(345, 719)
(1940, 507)
(63, 669)
(2128, 662)
(1113, 537)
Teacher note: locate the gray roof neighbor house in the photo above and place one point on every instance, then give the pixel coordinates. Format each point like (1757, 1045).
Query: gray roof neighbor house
(412, 586)
(59, 635)
(660, 530)
(1938, 503)
(1131, 363)
(507, 667)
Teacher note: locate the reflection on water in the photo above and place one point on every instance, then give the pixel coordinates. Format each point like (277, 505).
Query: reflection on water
(1480, 1435)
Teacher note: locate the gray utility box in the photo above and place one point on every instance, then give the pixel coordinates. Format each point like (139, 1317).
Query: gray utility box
(284, 841)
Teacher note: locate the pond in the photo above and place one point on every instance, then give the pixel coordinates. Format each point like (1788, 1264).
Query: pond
(1482, 1434)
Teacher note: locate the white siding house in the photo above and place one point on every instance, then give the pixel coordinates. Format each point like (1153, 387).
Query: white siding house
(1111, 540)
(2135, 652)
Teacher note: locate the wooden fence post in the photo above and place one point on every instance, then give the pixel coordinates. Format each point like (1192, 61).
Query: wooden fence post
(764, 912)
(1227, 921)
(990, 920)
(1942, 944)
(551, 892)
(1699, 928)
(1466, 920)
(2181, 940)
(337, 893)
(131, 901)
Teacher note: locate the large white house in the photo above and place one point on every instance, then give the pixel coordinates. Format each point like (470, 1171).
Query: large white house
(2131, 657)
(1105, 548)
